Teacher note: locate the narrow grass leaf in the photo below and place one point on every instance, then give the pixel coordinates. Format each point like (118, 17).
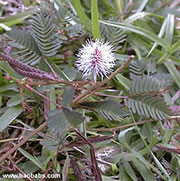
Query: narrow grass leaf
(169, 29)
(129, 171)
(35, 160)
(175, 47)
(139, 15)
(13, 18)
(125, 82)
(146, 173)
(94, 19)
(169, 32)
(160, 35)
(80, 12)
(122, 174)
(9, 115)
(8, 69)
(14, 101)
(52, 96)
(173, 71)
(141, 5)
(122, 136)
(140, 31)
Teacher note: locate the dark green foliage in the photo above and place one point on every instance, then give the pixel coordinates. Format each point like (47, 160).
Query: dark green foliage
(146, 84)
(44, 32)
(146, 99)
(57, 122)
(122, 122)
(75, 118)
(110, 110)
(25, 48)
(165, 77)
(61, 120)
(112, 34)
(40, 39)
(68, 96)
(73, 25)
(149, 105)
(137, 68)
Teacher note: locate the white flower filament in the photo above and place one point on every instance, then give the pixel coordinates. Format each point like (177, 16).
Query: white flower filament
(95, 58)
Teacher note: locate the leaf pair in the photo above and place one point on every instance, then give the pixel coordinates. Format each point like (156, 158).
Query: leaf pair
(41, 38)
(146, 99)
(60, 120)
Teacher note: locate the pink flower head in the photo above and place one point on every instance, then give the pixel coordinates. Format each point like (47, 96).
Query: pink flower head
(95, 58)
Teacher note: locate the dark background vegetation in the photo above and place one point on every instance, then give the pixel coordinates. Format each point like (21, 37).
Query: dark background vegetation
(52, 121)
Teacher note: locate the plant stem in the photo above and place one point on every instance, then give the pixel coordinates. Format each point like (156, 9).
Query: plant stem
(86, 94)
(96, 87)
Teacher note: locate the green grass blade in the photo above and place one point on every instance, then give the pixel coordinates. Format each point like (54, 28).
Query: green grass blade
(140, 15)
(17, 16)
(52, 96)
(160, 166)
(94, 19)
(119, 7)
(129, 171)
(146, 174)
(142, 5)
(140, 31)
(160, 35)
(173, 49)
(80, 12)
(9, 115)
(169, 32)
(125, 82)
(35, 160)
(169, 28)
(173, 71)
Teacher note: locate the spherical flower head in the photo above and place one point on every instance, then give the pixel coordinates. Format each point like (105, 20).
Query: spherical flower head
(95, 58)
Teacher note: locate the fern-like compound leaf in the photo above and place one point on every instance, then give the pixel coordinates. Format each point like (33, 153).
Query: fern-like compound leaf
(68, 22)
(149, 105)
(137, 68)
(146, 84)
(45, 33)
(24, 46)
(112, 34)
(110, 110)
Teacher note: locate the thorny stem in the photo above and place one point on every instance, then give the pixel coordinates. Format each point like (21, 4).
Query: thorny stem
(48, 82)
(72, 83)
(38, 93)
(86, 94)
